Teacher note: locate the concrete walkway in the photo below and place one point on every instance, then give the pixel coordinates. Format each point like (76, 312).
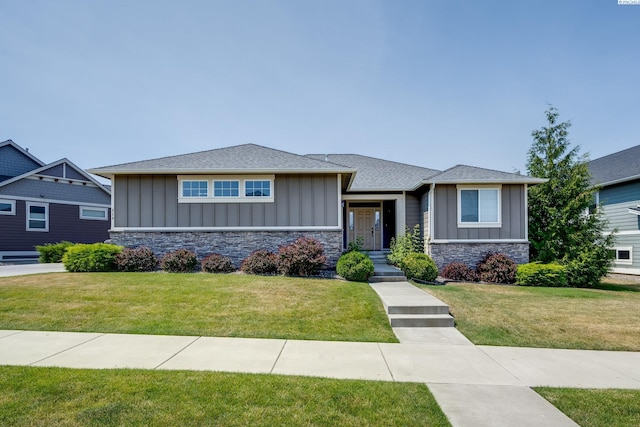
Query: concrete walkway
(24, 269)
(474, 385)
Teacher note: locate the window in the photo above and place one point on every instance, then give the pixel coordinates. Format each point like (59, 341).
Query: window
(92, 213)
(226, 189)
(195, 188)
(257, 188)
(623, 255)
(7, 207)
(479, 207)
(37, 217)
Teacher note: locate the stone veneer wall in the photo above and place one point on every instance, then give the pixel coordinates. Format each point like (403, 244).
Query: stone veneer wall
(236, 245)
(471, 253)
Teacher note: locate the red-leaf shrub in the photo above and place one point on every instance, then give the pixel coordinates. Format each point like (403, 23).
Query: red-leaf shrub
(497, 268)
(260, 262)
(216, 263)
(180, 261)
(136, 259)
(459, 271)
(304, 257)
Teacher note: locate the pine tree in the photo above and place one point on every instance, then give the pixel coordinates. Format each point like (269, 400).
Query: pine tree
(561, 225)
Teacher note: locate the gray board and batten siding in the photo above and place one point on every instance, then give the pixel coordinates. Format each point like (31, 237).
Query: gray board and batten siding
(300, 200)
(514, 216)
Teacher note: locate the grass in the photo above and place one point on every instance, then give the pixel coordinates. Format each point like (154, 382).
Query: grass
(603, 318)
(595, 408)
(72, 397)
(230, 305)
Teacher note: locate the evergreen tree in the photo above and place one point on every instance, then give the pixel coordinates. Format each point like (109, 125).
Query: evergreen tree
(562, 227)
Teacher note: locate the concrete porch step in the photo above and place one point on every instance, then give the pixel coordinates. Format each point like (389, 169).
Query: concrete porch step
(381, 279)
(418, 309)
(421, 320)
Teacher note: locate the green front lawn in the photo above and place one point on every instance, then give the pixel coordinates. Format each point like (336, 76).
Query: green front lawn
(604, 318)
(229, 305)
(72, 397)
(596, 408)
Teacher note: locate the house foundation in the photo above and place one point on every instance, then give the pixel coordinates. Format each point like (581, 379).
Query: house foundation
(470, 253)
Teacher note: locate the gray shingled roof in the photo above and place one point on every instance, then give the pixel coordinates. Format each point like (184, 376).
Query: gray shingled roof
(240, 158)
(379, 174)
(471, 174)
(617, 167)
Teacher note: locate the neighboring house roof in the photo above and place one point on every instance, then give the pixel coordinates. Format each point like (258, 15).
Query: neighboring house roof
(616, 168)
(14, 160)
(378, 174)
(78, 175)
(246, 158)
(461, 174)
(21, 150)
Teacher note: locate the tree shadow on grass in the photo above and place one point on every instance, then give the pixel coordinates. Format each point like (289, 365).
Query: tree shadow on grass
(615, 287)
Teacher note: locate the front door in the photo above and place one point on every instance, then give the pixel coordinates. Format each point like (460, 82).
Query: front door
(367, 228)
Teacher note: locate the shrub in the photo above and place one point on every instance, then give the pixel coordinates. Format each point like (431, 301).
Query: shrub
(496, 268)
(216, 263)
(419, 266)
(91, 258)
(410, 242)
(355, 266)
(537, 274)
(459, 271)
(304, 257)
(588, 266)
(180, 261)
(260, 262)
(53, 252)
(136, 259)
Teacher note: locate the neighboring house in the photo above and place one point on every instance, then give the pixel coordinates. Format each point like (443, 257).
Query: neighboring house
(618, 177)
(46, 203)
(238, 199)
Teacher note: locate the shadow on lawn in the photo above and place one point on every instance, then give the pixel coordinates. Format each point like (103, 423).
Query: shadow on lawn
(618, 287)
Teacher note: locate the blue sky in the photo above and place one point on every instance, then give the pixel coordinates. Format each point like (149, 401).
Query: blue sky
(432, 83)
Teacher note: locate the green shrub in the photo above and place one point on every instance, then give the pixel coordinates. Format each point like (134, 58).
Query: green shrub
(459, 271)
(419, 266)
(260, 262)
(304, 257)
(497, 268)
(410, 242)
(537, 274)
(588, 267)
(216, 263)
(91, 258)
(180, 261)
(53, 252)
(136, 259)
(355, 266)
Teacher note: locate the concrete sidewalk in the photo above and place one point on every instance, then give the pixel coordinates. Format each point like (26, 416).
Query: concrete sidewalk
(24, 269)
(474, 385)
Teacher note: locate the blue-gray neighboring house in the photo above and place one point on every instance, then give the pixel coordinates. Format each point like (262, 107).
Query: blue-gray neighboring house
(46, 203)
(618, 177)
(234, 200)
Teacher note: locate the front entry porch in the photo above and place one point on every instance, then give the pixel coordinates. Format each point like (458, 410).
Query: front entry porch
(369, 224)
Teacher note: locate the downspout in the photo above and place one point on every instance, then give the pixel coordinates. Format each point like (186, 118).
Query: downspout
(432, 213)
(526, 212)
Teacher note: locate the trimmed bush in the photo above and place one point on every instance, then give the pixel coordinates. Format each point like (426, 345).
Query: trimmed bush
(53, 252)
(419, 266)
(537, 274)
(91, 258)
(180, 261)
(355, 266)
(459, 271)
(410, 242)
(497, 268)
(216, 263)
(260, 262)
(136, 259)
(304, 257)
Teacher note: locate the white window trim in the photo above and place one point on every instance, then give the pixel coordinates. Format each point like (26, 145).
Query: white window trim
(242, 179)
(46, 216)
(497, 224)
(623, 261)
(13, 207)
(93, 218)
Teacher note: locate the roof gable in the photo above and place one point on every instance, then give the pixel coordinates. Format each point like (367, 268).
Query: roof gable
(461, 174)
(617, 167)
(379, 175)
(15, 161)
(246, 158)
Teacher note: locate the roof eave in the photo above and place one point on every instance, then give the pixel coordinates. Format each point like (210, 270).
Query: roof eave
(618, 181)
(111, 172)
(532, 181)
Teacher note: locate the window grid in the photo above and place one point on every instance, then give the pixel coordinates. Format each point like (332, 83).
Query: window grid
(195, 188)
(226, 188)
(257, 188)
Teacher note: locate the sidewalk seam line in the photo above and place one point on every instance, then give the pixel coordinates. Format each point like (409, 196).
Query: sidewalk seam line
(278, 358)
(14, 333)
(67, 349)
(385, 362)
(176, 353)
